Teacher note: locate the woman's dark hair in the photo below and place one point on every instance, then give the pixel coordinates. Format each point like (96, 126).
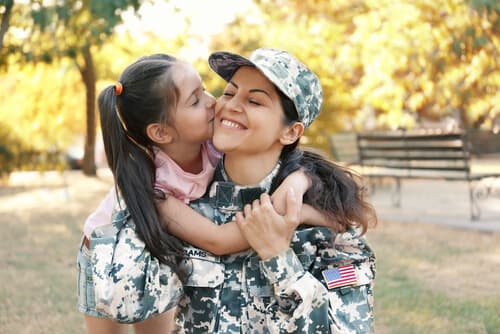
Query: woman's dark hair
(148, 94)
(336, 191)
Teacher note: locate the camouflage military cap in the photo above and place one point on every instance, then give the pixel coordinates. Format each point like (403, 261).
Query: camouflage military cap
(285, 71)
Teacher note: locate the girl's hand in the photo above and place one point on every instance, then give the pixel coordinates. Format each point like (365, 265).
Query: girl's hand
(299, 182)
(268, 232)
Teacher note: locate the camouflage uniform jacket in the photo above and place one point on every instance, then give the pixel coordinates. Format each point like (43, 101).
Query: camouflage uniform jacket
(128, 283)
(239, 293)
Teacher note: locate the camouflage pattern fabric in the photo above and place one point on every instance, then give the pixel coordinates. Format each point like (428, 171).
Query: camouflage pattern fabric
(285, 71)
(239, 293)
(130, 285)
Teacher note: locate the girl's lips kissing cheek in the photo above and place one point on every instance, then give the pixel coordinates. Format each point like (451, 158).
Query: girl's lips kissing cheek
(229, 124)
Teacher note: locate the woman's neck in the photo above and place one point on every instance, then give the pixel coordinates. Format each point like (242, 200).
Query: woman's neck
(247, 169)
(188, 157)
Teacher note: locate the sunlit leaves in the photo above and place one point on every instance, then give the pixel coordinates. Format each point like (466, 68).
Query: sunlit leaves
(390, 64)
(42, 105)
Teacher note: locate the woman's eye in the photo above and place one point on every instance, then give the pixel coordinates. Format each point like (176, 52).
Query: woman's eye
(228, 94)
(196, 101)
(254, 102)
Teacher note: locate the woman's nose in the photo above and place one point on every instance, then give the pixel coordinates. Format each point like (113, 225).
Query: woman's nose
(234, 105)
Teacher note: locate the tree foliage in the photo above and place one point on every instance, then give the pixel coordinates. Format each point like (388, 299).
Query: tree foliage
(383, 64)
(56, 31)
(386, 64)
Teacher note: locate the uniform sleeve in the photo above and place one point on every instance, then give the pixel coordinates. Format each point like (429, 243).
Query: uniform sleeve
(102, 215)
(303, 305)
(352, 305)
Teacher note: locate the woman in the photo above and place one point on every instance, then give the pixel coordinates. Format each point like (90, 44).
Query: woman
(278, 287)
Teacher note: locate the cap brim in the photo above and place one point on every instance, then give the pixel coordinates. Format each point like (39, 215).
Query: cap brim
(225, 64)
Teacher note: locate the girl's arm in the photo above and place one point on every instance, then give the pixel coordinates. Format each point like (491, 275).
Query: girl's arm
(300, 183)
(190, 226)
(102, 215)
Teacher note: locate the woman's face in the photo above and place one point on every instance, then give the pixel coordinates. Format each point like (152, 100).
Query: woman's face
(194, 115)
(249, 117)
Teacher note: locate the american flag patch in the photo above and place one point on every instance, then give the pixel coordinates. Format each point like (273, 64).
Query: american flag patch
(340, 276)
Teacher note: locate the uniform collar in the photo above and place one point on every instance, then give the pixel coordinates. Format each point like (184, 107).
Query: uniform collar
(226, 195)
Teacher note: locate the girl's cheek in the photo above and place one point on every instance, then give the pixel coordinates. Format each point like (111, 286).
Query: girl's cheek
(218, 105)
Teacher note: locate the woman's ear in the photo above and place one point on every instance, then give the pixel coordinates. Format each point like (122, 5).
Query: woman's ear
(159, 133)
(291, 133)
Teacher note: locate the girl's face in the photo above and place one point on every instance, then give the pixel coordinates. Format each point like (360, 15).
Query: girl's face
(248, 116)
(193, 119)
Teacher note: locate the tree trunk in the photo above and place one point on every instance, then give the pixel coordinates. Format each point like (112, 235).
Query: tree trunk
(88, 75)
(4, 25)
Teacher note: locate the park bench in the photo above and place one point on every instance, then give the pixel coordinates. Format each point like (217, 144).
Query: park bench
(420, 154)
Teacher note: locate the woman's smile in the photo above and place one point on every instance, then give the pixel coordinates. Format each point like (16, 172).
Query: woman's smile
(231, 124)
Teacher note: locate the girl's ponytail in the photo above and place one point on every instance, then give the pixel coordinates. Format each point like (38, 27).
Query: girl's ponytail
(133, 168)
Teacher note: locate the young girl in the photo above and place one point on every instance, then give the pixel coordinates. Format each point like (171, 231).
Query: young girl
(156, 124)
(311, 281)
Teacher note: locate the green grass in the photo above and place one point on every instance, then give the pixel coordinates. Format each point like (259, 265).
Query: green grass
(406, 306)
(430, 279)
(427, 283)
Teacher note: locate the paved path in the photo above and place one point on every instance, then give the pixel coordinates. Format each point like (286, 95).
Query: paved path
(441, 202)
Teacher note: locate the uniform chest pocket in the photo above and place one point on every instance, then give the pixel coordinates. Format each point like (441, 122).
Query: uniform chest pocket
(203, 269)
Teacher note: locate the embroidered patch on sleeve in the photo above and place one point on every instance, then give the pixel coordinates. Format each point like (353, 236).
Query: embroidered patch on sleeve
(341, 276)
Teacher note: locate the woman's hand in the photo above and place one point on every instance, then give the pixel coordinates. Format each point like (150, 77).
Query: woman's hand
(268, 232)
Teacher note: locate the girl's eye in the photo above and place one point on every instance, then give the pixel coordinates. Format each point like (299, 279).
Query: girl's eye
(196, 101)
(228, 94)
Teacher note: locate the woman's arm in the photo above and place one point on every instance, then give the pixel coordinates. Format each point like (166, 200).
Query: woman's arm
(268, 232)
(301, 298)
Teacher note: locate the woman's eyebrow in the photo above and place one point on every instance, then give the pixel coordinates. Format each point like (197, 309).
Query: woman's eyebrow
(255, 90)
(260, 91)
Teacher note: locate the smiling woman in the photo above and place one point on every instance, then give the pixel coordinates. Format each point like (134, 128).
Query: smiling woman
(288, 282)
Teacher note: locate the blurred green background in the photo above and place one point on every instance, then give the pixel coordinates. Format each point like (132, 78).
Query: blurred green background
(383, 64)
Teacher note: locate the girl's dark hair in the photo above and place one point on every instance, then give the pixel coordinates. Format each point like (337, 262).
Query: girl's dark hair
(149, 93)
(336, 190)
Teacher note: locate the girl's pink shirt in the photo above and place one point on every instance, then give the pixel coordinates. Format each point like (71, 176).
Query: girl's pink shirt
(170, 178)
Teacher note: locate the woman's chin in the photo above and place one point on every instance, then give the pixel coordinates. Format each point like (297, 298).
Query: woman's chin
(222, 142)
